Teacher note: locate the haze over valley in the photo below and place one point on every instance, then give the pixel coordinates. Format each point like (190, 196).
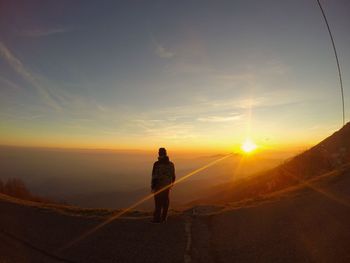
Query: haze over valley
(115, 179)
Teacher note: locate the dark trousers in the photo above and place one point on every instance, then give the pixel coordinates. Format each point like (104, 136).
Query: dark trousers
(161, 202)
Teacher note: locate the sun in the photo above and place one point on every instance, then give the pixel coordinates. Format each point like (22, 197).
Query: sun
(248, 146)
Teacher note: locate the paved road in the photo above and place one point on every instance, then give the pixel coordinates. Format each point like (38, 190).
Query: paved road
(307, 226)
(124, 240)
(14, 250)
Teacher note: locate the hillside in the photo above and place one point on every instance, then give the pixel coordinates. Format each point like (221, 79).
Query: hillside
(329, 155)
(306, 223)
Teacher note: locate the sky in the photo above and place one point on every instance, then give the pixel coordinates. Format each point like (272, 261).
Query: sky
(179, 74)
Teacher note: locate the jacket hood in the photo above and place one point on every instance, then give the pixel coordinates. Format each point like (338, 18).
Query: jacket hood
(163, 159)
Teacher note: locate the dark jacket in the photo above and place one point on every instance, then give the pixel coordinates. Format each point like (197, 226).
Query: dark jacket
(163, 173)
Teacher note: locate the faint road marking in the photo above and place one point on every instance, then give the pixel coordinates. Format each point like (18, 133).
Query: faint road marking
(188, 231)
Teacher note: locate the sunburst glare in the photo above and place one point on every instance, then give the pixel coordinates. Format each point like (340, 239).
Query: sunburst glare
(248, 146)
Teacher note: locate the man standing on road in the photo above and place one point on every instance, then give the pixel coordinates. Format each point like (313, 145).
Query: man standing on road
(163, 175)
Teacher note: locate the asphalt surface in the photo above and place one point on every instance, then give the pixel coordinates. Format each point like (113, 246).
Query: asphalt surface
(307, 226)
(29, 234)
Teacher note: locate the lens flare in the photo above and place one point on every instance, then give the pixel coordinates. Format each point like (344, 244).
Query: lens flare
(248, 146)
(91, 231)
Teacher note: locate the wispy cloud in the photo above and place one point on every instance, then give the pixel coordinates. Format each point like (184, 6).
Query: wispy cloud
(10, 84)
(50, 94)
(218, 107)
(16, 64)
(43, 32)
(220, 118)
(161, 51)
(164, 129)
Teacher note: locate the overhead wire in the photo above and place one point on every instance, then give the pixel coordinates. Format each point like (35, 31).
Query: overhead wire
(336, 58)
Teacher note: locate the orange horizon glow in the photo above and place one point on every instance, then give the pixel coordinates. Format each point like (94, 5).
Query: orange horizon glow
(236, 148)
(221, 144)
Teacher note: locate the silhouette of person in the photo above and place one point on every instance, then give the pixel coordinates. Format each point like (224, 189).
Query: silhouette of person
(163, 175)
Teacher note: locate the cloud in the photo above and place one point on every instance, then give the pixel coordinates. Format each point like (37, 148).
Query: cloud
(161, 51)
(220, 118)
(10, 84)
(21, 70)
(43, 32)
(210, 107)
(69, 106)
(164, 129)
(51, 95)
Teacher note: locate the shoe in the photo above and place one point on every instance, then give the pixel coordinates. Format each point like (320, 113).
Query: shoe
(155, 221)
